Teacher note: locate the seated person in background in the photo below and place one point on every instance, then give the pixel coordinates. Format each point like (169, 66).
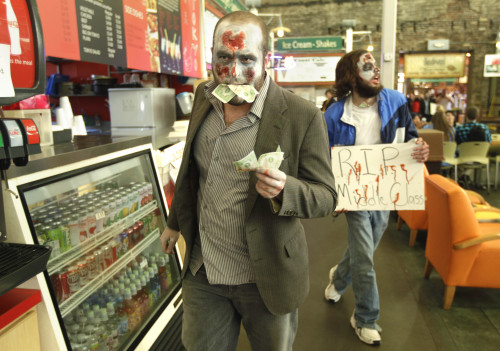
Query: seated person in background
(471, 130)
(440, 122)
(416, 120)
(451, 118)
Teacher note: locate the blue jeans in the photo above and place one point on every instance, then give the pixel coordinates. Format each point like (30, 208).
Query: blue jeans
(213, 315)
(364, 231)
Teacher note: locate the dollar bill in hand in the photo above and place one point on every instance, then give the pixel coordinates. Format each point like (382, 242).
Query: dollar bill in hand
(271, 160)
(247, 163)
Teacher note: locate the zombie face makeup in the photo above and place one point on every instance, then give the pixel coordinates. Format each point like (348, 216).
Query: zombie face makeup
(368, 82)
(368, 70)
(238, 58)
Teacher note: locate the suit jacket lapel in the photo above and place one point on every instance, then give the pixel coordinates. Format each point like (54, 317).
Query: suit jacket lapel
(269, 135)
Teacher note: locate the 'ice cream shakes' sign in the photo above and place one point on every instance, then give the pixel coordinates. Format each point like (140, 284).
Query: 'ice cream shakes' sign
(307, 44)
(378, 177)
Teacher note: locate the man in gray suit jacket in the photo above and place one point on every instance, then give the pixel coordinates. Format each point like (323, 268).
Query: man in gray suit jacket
(246, 253)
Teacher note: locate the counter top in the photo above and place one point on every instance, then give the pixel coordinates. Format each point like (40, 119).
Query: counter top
(82, 148)
(15, 303)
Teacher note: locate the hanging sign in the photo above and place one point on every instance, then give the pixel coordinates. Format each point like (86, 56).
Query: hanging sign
(307, 44)
(307, 69)
(491, 65)
(378, 177)
(434, 65)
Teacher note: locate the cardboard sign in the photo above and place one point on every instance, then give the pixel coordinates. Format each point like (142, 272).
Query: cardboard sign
(378, 177)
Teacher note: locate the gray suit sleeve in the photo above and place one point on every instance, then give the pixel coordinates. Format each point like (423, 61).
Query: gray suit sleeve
(312, 193)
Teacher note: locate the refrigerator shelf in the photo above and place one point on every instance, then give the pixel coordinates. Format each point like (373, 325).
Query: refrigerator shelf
(87, 246)
(20, 262)
(76, 299)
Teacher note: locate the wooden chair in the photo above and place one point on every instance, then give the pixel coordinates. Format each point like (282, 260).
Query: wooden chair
(474, 154)
(463, 250)
(449, 150)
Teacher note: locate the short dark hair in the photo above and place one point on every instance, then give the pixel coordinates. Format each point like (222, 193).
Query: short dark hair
(246, 17)
(472, 112)
(346, 73)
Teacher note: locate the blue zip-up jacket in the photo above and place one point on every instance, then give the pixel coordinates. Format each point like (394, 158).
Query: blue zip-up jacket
(397, 124)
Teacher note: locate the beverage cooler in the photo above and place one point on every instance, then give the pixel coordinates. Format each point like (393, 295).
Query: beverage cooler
(108, 285)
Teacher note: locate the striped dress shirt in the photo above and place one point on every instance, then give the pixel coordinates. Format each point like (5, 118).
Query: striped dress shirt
(221, 245)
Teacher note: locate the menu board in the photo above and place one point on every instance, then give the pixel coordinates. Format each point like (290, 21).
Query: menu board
(136, 34)
(60, 28)
(147, 35)
(106, 46)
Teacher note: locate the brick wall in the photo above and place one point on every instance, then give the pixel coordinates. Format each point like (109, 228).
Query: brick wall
(468, 24)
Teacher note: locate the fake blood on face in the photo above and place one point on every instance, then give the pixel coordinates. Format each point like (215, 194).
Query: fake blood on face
(222, 71)
(233, 42)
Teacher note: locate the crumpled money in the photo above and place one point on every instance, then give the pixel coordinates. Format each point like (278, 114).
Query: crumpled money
(225, 92)
(270, 160)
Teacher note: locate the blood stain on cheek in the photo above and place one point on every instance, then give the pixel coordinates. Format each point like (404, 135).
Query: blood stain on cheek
(222, 71)
(250, 74)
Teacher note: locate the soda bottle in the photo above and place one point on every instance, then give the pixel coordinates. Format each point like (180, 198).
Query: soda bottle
(121, 314)
(144, 296)
(134, 289)
(154, 283)
(147, 279)
(129, 309)
(168, 267)
(162, 274)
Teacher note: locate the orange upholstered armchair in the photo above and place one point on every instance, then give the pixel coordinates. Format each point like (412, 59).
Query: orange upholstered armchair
(415, 219)
(462, 250)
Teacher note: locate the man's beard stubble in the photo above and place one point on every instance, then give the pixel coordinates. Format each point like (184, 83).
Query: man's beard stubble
(365, 90)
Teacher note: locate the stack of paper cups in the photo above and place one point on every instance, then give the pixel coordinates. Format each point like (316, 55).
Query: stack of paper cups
(79, 126)
(65, 105)
(60, 116)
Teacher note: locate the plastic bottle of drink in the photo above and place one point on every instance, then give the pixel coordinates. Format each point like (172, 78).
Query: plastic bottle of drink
(130, 309)
(168, 267)
(162, 274)
(147, 279)
(113, 325)
(121, 314)
(154, 283)
(134, 289)
(101, 331)
(144, 296)
(90, 331)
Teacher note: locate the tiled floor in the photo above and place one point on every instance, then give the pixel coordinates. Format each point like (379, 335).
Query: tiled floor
(411, 306)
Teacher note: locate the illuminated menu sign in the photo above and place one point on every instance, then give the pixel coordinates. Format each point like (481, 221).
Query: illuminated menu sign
(147, 35)
(96, 44)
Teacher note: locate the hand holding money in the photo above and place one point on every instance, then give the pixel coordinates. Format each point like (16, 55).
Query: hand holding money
(270, 182)
(270, 160)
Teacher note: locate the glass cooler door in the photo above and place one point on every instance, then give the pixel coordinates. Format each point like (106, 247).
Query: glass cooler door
(108, 276)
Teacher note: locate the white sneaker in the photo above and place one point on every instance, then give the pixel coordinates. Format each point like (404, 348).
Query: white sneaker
(331, 294)
(367, 335)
